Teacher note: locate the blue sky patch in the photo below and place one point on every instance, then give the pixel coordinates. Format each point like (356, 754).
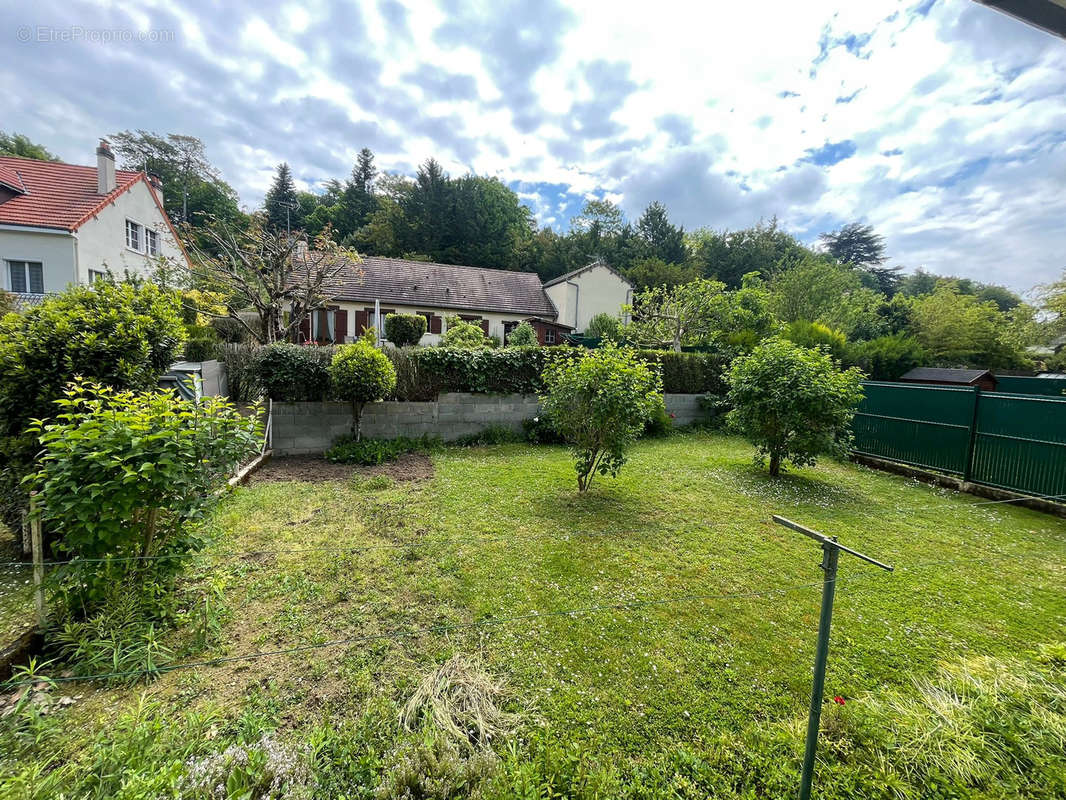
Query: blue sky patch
(830, 153)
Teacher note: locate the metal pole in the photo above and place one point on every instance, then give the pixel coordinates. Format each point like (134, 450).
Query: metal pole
(830, 556)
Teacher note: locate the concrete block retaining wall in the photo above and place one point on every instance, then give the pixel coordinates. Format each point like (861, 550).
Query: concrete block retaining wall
(310, 428)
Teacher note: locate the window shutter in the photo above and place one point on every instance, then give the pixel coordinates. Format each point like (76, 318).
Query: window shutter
(340, 322)
(485, 326)
(434, 323)
(305, 329)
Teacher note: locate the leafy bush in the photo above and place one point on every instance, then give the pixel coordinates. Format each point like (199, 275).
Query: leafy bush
(121, 474)
(120, 335)
(7, 302)
(368, 452)
(203, 349)
(241, 378)
(660, 423)
(464, 335)
(792, 403)
(815, 334)
(604, 326)
(539, 430)
(492, 434)
(525, 335)
(687, 373)
(361, 374)
(600, 405)
(291, 372)
(505, 371)
(413, 383)
(404, 330)
(229, 330)
(886, 358)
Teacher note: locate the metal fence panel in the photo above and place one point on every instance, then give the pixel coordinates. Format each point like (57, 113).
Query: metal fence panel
(927, 426)
(1020, 443)
(1013, 384)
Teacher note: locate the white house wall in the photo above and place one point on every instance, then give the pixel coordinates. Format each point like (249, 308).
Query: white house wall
(595, 291)
(55, 251)
(102, 241)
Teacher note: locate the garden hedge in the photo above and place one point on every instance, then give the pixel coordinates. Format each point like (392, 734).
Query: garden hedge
(425, 372)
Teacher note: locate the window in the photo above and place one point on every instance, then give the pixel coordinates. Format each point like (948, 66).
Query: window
(133, 235)
(96, 275)
(549, 336)
(26, 276)
(151, 240)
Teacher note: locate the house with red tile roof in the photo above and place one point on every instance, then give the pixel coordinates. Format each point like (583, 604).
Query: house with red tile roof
(64, 224)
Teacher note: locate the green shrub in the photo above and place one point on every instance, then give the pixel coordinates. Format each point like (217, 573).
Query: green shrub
(886, 358)
(120, 335)
(604, 326)
(484, 371)
(121, 474)
(413, 383)
(404, 330)
(241, 379)
(361, 374)
(291, 373)
(368, 452)
(7, 302)
(539, 430)
(525, 335)
(492, 434)
(600, 405)
(229, 330)
(464, 335)
(815, 334)
(687, 373)
(203, 349)
(660, 423)
(792, 403)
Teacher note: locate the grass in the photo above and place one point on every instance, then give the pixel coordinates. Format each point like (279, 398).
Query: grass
(640, 695)
(16, 590)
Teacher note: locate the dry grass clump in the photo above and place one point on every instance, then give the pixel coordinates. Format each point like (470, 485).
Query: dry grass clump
(462, 700)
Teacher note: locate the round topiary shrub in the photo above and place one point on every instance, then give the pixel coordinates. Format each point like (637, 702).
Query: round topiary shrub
(405, 330)
(361, 374)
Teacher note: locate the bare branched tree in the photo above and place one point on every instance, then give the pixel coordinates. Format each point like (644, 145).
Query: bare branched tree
(270, 273)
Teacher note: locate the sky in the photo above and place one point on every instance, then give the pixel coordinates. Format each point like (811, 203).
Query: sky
(941, 122)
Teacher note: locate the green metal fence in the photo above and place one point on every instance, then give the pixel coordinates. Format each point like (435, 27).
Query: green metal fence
(1013, 384)
(1010, 441)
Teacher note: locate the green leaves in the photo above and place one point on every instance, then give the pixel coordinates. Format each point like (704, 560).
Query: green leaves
(361, 373)
(599, 405)
(792, 403)
(122, 473)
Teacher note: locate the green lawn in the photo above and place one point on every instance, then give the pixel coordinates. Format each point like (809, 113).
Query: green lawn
(635, 697)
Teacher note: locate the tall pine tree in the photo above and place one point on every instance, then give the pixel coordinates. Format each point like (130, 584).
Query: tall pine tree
(281, 203)
(661, 239)
(357, 201)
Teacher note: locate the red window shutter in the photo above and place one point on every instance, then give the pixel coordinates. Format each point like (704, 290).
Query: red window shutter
(340, 324)
(362, 322)
(485, 326)
(434, 323)
(305, 329)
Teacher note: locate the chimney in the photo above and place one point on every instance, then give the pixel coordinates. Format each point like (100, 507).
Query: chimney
(105, 168)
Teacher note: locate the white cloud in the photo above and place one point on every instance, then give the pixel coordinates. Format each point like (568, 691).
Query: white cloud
(953, 118)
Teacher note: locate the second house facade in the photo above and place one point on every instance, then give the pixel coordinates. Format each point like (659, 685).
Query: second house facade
(496, 300)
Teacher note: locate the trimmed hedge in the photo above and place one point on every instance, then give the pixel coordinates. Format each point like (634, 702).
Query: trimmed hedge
(404, 330)
(425, 372)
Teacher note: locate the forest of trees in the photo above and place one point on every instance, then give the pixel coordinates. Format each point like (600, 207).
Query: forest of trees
(845, 283)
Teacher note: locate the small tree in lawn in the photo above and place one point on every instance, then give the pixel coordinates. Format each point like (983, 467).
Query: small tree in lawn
(792, 403)
(599, 405)
(404, 330)
(524, 335)
(361, 374)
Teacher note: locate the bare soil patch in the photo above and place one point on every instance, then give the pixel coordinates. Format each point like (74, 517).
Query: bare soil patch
(315, 469)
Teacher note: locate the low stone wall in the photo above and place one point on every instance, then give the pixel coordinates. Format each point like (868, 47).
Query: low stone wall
(310, 428)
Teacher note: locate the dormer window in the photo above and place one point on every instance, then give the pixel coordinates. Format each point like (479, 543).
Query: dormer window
(134, 235)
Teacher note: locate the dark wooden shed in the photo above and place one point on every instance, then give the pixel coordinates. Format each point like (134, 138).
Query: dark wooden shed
(981, 378)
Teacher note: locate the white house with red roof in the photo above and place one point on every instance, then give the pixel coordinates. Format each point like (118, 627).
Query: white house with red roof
(63, 224)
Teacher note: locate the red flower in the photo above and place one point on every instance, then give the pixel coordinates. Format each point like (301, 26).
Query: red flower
(838, 700)
(672, 417)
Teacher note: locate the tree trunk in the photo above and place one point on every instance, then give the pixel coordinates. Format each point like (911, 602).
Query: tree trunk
(775, 465)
